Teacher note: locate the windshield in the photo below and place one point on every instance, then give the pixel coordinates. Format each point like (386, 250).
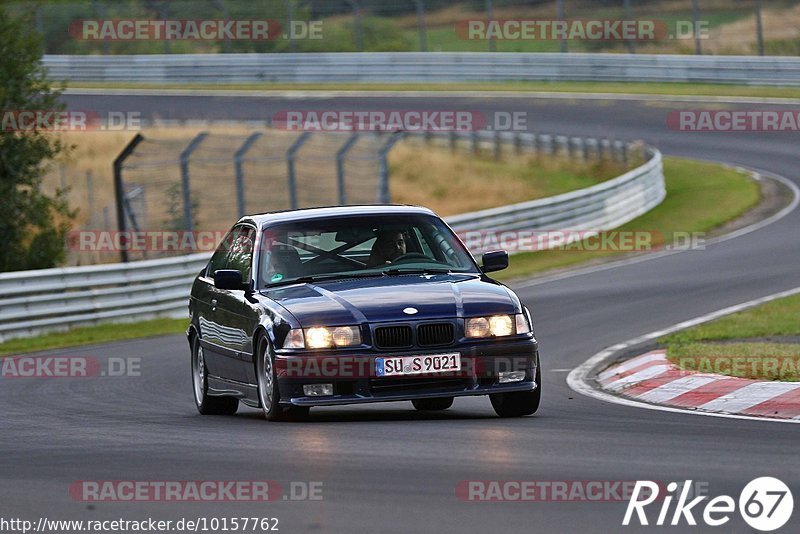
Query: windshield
(362, 246)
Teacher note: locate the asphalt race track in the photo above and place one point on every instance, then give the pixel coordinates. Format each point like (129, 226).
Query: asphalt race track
(386, 468)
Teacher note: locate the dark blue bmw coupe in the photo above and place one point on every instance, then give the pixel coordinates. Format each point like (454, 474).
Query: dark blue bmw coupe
(356, 304)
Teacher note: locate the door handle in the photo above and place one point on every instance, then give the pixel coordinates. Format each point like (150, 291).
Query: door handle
(214, 305)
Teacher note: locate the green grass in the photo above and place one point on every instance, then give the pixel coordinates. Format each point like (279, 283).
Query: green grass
(90, 335)
(699, 348)
(642, 88)
(700, 197)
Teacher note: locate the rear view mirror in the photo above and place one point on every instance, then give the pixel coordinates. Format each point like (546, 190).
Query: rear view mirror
(496, 260)
(228, 279)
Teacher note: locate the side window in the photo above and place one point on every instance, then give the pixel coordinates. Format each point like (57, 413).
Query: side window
(240, 256)
(218, 259)
(423, 243)
(235, 252)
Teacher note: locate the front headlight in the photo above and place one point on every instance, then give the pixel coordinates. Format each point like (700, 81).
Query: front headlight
(321, 337)
(496, 326)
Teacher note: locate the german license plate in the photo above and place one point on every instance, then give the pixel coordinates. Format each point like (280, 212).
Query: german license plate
(418, 365)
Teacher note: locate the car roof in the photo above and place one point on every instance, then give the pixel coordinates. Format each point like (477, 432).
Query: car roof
(266, 219)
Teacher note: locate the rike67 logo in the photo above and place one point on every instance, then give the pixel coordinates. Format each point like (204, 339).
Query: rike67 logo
(766, 504)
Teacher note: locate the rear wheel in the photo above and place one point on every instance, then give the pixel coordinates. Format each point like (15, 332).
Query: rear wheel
(428, 405)
(519, 403)
(207, 404)
(268, 393)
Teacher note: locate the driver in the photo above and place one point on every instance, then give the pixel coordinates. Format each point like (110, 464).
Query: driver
(390, 245)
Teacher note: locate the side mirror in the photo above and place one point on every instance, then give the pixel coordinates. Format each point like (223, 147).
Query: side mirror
(496, 260)
(228, 279)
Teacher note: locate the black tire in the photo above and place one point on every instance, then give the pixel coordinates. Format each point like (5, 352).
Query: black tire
(519, 403)
(268, 393)
(207, 404)
(429, 405)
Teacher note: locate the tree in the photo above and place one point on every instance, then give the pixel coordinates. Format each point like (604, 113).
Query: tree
(33, 225)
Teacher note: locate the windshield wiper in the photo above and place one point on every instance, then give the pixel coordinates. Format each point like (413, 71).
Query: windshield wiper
(322, 278)
(416, 270)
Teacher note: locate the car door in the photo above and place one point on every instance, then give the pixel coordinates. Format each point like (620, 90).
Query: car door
(231, 310)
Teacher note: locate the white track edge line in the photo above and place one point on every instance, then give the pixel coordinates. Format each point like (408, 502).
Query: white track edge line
(579, 378)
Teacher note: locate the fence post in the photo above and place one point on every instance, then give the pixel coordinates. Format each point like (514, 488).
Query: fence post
(423, 40)
(497, 147)
(759, 29)
(188, 222)
(290, 154)
(474, 142)
(289, 19)
(383, 177)
(238, 158)
(357, 21)
(490, 15)
(629, 16)
(698, 48)
(119, 194)
(560, 16)
(340, 155)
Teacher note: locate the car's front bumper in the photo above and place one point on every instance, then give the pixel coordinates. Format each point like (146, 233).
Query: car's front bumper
(354, 381)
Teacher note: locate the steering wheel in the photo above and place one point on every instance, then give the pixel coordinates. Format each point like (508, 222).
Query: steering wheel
(411, 256)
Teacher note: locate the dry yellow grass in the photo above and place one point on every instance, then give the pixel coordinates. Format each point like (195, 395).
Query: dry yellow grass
(740, 37)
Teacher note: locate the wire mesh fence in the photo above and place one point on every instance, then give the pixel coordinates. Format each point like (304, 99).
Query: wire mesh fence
(187, 182)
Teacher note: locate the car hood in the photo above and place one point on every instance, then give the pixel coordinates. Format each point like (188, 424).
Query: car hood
(378, 300)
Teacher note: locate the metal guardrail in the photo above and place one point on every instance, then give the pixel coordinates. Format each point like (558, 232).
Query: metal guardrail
(32, 302)
(423, 67)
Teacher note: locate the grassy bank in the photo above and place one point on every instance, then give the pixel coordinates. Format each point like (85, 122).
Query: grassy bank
(642, 88)
(716, 346)
(90, 335)
(700, 197)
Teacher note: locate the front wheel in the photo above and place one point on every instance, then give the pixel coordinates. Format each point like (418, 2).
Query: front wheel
(519, 403)
(207, 404)
(268, 393)
(429, 405)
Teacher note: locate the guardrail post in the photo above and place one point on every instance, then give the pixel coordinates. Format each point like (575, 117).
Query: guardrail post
(453, 140)
(517, 143)
(238, 159)
(118, 188)
(497, 147)
(340, 155)
(188, 222)
(383, 175)
(475, 142)
(290, 154)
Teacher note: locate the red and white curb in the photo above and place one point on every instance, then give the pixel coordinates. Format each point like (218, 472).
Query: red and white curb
(652, 378)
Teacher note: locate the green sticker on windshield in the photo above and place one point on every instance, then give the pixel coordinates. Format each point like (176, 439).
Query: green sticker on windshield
(277, 277)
